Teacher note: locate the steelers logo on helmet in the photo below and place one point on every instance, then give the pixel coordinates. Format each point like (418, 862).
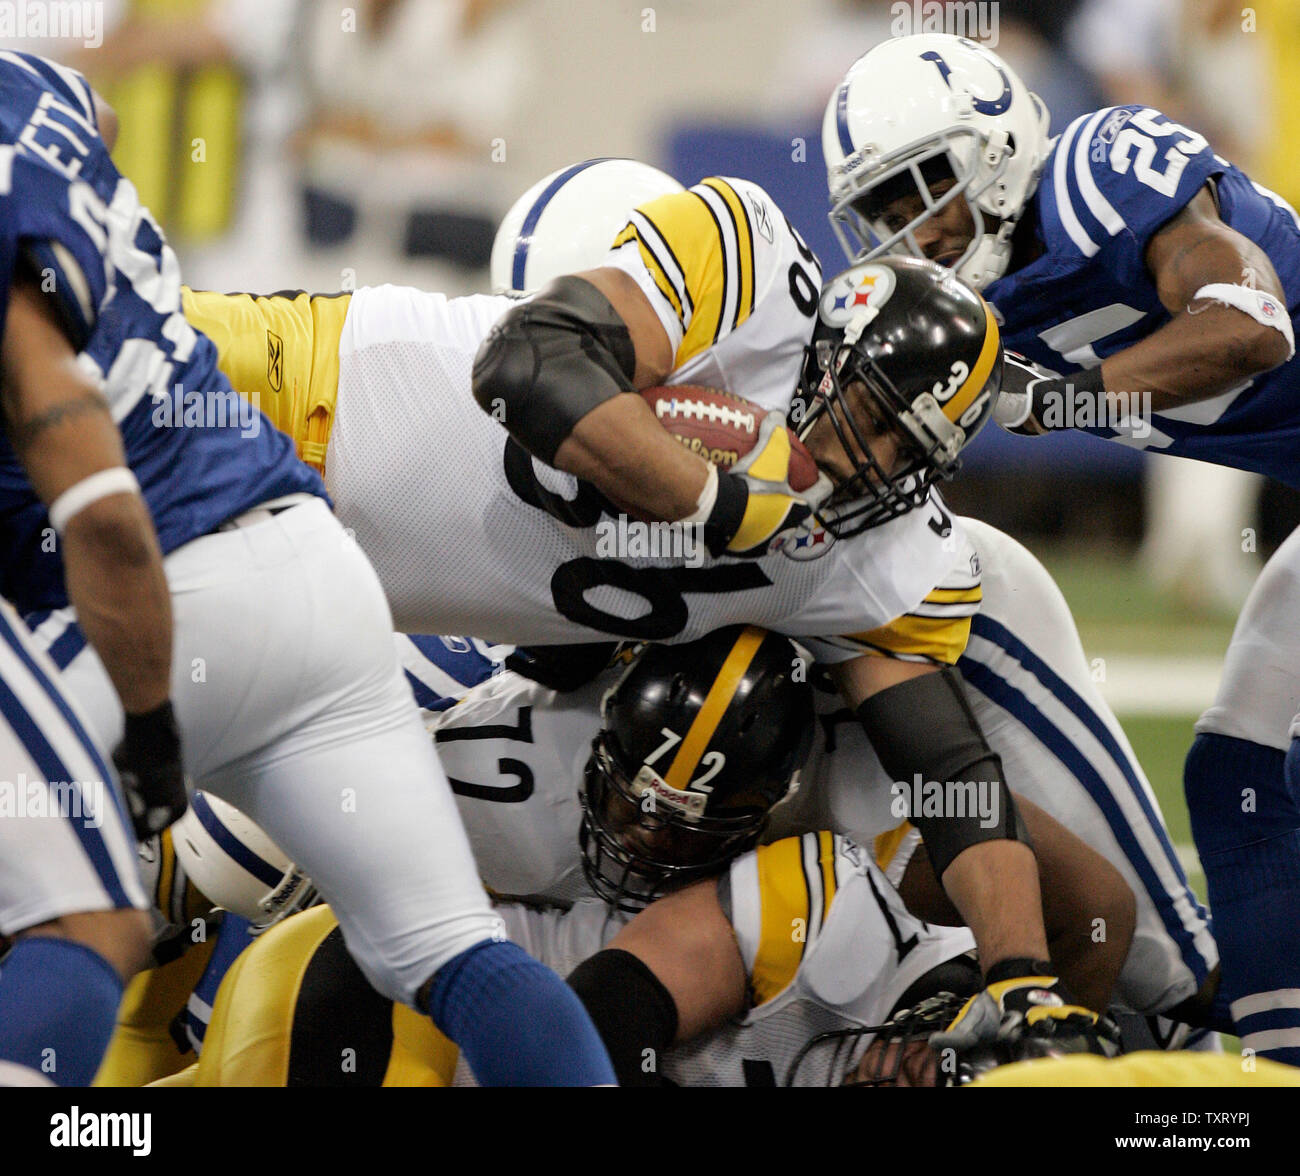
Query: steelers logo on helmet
(902, 366)
(846, 294)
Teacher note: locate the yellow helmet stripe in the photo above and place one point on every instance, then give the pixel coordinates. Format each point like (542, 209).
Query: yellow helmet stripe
(964, 397)
(715, 706)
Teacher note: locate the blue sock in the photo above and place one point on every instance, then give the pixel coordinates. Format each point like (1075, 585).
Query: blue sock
(1242, 800)
(516, 1022)
(58, 1006)
(232, 938)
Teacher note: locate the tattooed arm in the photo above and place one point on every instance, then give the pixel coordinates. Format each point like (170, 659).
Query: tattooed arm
(62, 432)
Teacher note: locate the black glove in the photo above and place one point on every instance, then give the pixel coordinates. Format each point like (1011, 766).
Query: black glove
(149, 762)
(1035, 400)
(1025, 1003)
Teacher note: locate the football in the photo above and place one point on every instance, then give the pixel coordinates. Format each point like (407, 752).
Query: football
(721, 428)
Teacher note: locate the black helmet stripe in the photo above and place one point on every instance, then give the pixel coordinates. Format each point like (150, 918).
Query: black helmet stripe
(713, 708)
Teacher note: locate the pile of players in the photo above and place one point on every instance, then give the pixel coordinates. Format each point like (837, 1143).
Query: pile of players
(970, 840)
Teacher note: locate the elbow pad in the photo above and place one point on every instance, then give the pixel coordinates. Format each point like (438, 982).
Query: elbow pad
(549, 361)
(929, 741)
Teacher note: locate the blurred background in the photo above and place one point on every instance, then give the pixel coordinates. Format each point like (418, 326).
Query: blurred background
(308, 144)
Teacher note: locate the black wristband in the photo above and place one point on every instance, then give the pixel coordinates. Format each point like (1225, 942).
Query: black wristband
(1064, 401)
(153, 734)
(727, 514)
(1017, 967)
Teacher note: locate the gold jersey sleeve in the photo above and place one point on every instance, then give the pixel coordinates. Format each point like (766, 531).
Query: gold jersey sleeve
(796, 883)
(280, 353)
(935, 632)
(294, 1010)
(732, 282)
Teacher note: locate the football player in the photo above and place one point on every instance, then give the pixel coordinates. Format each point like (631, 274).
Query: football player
(733, 704)
(512, 749)
(1150, 284)
(70, 898)
(712, 285)
(286, 687)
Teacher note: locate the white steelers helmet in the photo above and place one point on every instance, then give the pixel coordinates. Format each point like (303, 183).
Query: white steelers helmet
(567, 221)
(236, 865)
(917, 109)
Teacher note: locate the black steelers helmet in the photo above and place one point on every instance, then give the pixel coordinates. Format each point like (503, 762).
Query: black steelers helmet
(927, 351)
(698, 742)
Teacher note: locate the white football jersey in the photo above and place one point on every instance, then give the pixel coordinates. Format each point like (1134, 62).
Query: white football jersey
(470, 535)
(826, 944)
(1031, 688)
(514, 752)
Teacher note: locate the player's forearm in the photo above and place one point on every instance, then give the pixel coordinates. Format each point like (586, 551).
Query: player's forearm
(1198, 354)
(622, 450)
(114, 575)
(994, 886)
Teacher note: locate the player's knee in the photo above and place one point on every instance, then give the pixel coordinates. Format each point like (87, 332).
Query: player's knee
(122, 937)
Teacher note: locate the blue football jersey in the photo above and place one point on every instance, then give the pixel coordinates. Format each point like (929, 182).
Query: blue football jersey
(66, 211)
(1112, 180)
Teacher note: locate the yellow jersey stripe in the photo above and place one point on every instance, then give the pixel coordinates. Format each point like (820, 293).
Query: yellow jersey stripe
(887, 845)
(785, 908)
(661, 247)
(965, 396)
(691, 238)
(655, 269)
(942, 639)
(166, 873)
(709, 284)
(715, 705)
(744, 247)
(826, 859)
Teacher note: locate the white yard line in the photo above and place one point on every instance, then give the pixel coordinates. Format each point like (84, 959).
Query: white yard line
(1156, 684)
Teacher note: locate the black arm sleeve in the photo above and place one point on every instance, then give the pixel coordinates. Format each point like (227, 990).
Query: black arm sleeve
(634, 1013)
(550, 360)
(925, 726)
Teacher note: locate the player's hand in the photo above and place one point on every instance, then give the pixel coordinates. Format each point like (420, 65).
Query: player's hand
(1018, 409)
(1024, 1001)
(771, 507)
(149, 762)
